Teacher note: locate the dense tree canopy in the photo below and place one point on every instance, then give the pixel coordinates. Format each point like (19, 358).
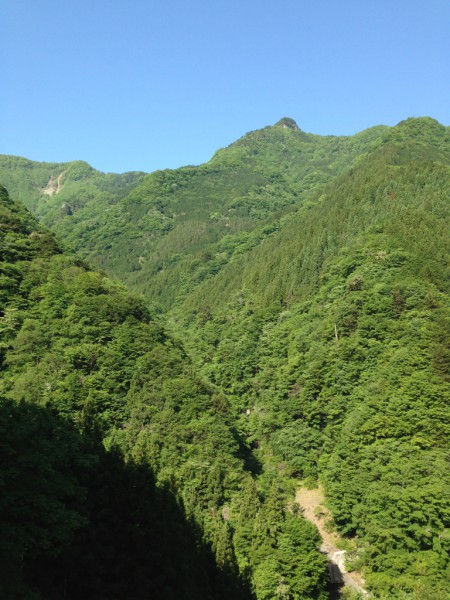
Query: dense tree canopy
(298, 330)
(83, 361)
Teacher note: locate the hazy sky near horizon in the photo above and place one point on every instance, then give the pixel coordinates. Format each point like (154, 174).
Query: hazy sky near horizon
(152, 84)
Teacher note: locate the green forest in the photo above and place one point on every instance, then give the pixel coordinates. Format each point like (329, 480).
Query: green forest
(182, 350)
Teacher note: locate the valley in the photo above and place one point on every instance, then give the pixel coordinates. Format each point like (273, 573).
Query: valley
(312, 504)
(222, 331)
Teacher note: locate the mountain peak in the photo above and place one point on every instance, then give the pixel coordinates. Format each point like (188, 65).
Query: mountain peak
(287, 123)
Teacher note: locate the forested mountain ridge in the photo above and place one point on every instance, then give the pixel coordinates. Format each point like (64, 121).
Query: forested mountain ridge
(177, 227)
(331, 341)
(361, 198)
(54, 190)
(85, 367)
(308, 280)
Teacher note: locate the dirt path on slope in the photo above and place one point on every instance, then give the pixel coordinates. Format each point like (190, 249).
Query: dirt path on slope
(312, 503)
(49, 189)
(58, 182)
(54, 186)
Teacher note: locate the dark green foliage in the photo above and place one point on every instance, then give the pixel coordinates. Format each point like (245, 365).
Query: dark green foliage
(40, 493)
(79, 522)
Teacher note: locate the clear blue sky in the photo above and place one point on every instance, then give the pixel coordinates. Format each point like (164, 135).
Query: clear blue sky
(150, 84)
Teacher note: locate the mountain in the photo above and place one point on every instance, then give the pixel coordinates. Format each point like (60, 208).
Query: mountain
(122, 473)
(300, 284)
(164, 233)
(330, 339)
(55, 190)
(361, 199)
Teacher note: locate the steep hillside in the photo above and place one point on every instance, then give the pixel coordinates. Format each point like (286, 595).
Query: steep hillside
(53, 191)
(178, 227)
(308, 278)
(289, 261)
(330, 339)
(84, 368)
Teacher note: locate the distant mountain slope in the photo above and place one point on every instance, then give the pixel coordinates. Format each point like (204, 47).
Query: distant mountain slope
(164, 233)
(55, 190)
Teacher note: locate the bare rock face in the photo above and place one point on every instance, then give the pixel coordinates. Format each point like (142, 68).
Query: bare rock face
(287, 123)
(311, 501)
(339, 559)
(54, 185)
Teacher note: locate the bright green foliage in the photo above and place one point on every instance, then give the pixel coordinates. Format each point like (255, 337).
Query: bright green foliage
(308, 278)
(166, 233)
(57, 190)
(78, 345)
(330, 339)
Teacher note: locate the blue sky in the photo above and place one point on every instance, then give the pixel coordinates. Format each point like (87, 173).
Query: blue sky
(151, 84)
